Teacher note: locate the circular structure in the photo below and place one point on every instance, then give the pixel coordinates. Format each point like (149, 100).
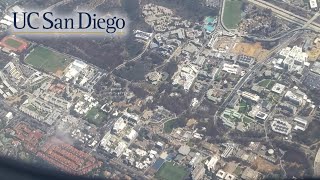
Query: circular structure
(270, 151)
(154, 76)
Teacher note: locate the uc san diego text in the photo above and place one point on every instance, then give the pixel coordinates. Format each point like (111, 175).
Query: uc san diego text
(78, 22)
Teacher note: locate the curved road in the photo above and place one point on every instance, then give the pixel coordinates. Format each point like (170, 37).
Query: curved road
(221, 16)
(277, 38)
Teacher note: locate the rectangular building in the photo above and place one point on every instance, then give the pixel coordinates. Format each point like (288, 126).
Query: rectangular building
(250, 96)
(313, 4)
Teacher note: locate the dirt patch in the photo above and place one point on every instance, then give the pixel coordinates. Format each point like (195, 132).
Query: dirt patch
(264, 165)
(250, 49)
(59, 73)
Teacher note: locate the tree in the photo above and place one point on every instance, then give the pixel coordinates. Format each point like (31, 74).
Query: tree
(132, 7)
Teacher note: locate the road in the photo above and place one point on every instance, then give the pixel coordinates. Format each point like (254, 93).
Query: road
(287, 15)
(174, 54)
(304, 27)
(133, 59)
(305, 23)
(311, 20)
(247, 76)
(276, 38)
(137, 57)
(221, 15)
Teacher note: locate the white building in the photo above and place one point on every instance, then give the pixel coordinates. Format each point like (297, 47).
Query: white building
(74, 69)
(13, 71)
(293, 58)
(280, 126)
(294, 98)
(250, 96)
(212, 163)
(278, 88)
(301, 124)
(119, 125)
(261, 115)
(231, 68)
(6, 22)
(9, 115)
(313, 4)
(132, 135)
(221, 174)
(186, 76)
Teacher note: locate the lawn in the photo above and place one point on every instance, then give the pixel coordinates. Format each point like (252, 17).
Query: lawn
(169, 125)
(273, 97)
(96, 116)
(47, 60)
(244, 107)
(32, 108)
(232, 13)
(171, 172)
(13, 43)
(267, 83)
(247, 120)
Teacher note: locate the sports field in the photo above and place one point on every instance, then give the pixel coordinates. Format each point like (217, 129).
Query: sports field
(47, 60)
(96, 116)
(13, 43)
(171, 172)
(232, 13)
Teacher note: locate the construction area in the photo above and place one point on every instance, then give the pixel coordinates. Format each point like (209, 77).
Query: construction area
(253, 50)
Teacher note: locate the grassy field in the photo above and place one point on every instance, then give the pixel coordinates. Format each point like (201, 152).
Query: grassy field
(171, 172)
(247, 120)
(232, 13)
(13, 43)
(267, 83)
(47, 60)
(244, 107)
(96, 116)
(168, 126)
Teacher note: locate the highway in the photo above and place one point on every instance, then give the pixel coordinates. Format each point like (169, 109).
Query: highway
(287, 15)
(276, 38)
(305, 23)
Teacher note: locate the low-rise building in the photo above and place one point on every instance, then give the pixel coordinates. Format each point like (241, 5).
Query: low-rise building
(301, 124)
(198, 172)
(281, 126)
(313, 4)
(184, 150)
(261, 115)
(294, 98)
(245, 60)
(250, 96)
(278, 88)
(231, 68)
(288, 107)
(221, 174)
(212, 163)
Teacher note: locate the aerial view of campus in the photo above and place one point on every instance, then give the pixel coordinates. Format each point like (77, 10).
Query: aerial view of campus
(192, 90)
